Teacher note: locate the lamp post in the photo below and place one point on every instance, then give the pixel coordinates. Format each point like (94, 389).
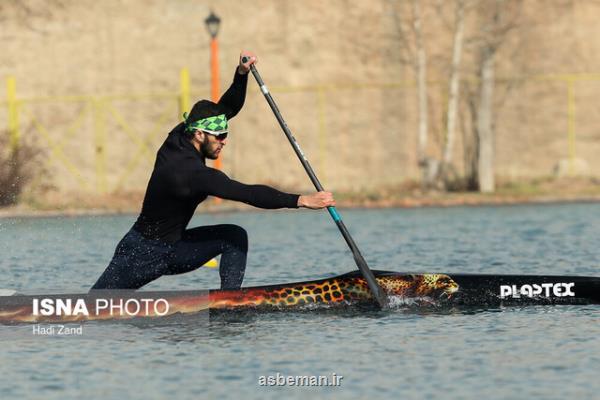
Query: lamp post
(212, 23)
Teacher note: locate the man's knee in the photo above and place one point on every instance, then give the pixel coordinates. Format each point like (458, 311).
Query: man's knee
(238, 236)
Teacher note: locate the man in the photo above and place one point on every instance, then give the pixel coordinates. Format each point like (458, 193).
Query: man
(158, 243)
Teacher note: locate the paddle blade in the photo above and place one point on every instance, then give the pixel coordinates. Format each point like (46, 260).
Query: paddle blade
(212, 263)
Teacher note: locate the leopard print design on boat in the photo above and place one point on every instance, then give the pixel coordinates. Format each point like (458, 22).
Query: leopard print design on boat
(345, 290)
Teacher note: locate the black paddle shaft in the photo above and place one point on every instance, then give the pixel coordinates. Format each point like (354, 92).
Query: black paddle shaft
(377, 291)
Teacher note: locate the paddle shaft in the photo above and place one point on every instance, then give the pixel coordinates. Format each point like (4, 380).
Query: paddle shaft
(377, 291)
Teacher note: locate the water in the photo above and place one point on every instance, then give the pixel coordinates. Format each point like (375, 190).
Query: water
(529, 352)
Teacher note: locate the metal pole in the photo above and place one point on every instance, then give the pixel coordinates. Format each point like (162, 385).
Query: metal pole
(214, 85)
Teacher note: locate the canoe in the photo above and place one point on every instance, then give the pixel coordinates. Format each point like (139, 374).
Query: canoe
(348, 290)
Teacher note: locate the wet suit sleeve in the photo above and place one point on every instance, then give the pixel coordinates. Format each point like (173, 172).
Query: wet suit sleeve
(234, 97)
(213, 182)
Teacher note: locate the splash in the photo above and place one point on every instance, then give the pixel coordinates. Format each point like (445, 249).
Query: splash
(397, 302)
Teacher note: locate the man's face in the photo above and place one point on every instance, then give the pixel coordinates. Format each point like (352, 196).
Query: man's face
(212, 145)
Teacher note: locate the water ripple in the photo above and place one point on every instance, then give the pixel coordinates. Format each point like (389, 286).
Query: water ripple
(529, 352)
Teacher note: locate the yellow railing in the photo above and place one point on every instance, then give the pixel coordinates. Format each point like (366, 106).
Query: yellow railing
(570, 80)
(104, 111)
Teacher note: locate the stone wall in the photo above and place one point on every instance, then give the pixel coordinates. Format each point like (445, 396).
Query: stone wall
(335, 67)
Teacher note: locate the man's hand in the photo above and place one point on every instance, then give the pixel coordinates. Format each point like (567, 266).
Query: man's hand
(317, 200)
(244, 68)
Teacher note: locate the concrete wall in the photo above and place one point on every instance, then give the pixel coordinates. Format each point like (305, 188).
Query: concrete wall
(334, 67)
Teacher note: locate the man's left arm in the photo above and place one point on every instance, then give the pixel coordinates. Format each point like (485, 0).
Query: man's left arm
(234, 97)
(213, 182)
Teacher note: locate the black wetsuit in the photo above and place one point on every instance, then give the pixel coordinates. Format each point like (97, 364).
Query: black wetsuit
(158, 243)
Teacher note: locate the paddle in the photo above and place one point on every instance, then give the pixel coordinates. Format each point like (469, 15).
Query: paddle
(378, 293)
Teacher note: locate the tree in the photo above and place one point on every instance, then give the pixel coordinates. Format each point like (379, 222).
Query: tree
(421, 73)
(453, 89)
(493, 21)
(496, 20)
(415, 54)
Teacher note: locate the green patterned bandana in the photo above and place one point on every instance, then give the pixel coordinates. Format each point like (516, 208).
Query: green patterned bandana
(216, 125)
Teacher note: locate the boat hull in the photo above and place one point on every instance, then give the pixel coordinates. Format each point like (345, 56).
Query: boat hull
(348, 290)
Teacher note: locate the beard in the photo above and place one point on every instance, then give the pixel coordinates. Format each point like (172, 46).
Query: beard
(209, 153)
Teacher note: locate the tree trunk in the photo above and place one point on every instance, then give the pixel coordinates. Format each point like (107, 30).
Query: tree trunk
(421, 72)
(454, 89)
(471, 146)
(485, 127)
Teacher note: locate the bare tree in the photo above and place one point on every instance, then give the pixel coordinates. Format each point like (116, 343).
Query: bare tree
(492, 21)
(454, 83)
(421, 73)
(496, 20)
(415, 55)
(485, 127)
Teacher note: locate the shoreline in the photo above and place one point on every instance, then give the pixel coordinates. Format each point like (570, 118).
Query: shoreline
(444, 200)
(408, 195)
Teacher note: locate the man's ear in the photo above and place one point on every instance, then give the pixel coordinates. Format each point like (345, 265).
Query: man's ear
(199, 135)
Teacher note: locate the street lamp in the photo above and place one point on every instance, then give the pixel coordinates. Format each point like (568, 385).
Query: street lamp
(212, 23)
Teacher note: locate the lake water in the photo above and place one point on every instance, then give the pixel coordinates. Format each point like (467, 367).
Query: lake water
(510, 353)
